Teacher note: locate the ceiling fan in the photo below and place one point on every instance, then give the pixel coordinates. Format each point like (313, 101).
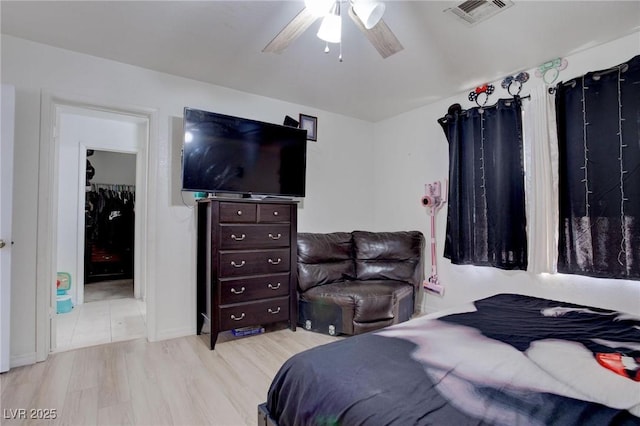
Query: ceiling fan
(366, 14)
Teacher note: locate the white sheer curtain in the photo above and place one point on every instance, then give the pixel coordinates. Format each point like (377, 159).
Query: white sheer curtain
(541, 179)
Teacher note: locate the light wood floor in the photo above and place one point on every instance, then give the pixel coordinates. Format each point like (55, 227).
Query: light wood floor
(173, 382)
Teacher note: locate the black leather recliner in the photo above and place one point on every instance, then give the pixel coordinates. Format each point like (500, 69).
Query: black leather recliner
(354, 282)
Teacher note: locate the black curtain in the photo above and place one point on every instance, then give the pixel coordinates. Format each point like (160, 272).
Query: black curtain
(486, 223)
(598, 118)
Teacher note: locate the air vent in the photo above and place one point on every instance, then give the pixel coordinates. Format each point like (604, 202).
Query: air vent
(474, 11)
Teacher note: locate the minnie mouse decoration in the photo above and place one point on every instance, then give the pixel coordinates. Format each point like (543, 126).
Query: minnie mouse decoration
(515, 82)
(550, 70)
(481, 92)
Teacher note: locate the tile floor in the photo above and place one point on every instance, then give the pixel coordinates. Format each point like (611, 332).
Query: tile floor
(99, 322)
(103, 290)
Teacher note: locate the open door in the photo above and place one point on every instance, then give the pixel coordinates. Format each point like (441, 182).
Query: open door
(6, 195)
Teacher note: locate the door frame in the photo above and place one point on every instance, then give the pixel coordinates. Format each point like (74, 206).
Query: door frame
(51, 105)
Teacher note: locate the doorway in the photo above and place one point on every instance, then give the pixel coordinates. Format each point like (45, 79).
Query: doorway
(100, 177)
(109, 212)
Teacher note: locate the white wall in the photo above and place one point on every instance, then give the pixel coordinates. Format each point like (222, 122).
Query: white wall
(113, 167)
(338, 191)
(411, 150)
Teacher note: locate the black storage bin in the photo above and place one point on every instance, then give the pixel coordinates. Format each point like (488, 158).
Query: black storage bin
(320, 317)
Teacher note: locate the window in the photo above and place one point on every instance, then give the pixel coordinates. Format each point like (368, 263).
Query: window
(598, 118)
(486, 223)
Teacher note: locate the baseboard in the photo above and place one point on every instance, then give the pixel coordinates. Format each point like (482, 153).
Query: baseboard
(173, 333)
(22, 360)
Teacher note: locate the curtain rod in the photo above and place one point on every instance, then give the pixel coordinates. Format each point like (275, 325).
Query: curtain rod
(442, 120)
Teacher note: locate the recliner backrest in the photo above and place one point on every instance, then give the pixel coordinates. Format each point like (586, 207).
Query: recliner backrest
(324, 259)
(389, 255)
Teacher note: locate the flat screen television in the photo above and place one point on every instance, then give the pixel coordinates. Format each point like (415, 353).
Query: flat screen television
(226, 154)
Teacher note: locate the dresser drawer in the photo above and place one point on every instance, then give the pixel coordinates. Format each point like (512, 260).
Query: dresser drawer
(274, 213)
(254, 313)
(238, 290)
(253, 236)
(238, 212)
(253, 262)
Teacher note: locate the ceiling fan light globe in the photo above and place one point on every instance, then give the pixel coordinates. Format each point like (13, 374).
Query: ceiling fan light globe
(369, 12)
(330, 29)
(319, 8)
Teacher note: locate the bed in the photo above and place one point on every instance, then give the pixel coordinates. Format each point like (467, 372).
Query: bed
(506, 360)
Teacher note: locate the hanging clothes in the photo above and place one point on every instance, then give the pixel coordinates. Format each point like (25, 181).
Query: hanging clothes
(109, 233)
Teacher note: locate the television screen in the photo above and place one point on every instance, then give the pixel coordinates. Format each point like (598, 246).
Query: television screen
(228, 154)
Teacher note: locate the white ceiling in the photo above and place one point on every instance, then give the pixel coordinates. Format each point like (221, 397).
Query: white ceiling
(220, 42)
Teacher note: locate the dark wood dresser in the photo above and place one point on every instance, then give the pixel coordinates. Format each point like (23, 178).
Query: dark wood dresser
(246, 264)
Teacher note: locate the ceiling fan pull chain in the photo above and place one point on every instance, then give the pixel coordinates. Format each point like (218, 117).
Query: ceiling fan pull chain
(340, 55)
(326, 48)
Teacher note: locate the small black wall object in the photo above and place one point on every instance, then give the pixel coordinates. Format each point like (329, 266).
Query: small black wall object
(290, 121)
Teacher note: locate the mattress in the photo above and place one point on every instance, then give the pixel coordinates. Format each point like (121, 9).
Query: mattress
(504, 360)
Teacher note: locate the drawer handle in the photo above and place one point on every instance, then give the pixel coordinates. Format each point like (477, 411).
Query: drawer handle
(240, 238)
(239, 212)
(238, 265)
(275, 213)
(272, 287)
(274, 262)
(235, 318)
(275, 237)
(234, 291)
(271, 311)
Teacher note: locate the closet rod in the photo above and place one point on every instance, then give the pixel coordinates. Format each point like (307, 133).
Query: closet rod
(113, 186)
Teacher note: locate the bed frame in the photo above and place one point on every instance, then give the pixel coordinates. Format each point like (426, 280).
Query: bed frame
(264, 417)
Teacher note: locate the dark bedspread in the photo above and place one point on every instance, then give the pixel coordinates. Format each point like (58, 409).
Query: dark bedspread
(507, 359)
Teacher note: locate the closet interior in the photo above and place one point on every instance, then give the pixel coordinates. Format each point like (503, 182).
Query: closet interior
(109, 229)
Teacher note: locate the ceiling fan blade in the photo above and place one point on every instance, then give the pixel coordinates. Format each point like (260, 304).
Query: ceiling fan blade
(381, 36)
(291, 31)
